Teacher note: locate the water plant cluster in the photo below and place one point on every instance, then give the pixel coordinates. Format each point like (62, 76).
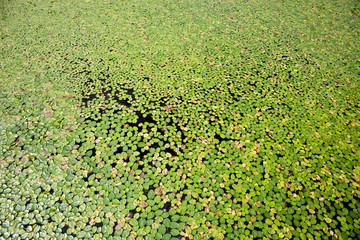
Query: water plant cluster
(179, 119)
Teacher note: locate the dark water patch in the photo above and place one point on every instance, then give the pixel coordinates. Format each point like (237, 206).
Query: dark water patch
(99, 225)
(130, 92)
(143, 119)
(167, 207)
(131, 213)
(140, 166)
(64, 229)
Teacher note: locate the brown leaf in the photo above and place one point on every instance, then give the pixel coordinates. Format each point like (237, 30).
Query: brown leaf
(207, 210)
(18, 140)
(120, 223)
(133, 234)
(92, 221)
(242, 148)
(158, 190)
(29, 123)
(68, 126)
(167, 108)
(143, 204)
(114, 171)
(45, 151)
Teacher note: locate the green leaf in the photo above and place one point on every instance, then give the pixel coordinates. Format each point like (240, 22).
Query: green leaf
(162, 230)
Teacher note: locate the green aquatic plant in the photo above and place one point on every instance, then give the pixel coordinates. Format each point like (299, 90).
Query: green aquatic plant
(179, 120)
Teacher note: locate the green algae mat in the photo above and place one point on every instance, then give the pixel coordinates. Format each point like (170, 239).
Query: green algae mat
(191, 119)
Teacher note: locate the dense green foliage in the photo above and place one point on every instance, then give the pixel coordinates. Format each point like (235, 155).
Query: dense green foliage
(179, 119)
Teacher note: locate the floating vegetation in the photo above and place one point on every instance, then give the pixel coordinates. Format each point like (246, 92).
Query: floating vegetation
(179, 120)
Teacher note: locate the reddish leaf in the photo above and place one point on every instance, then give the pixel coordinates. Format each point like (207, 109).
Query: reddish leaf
(143, 204)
